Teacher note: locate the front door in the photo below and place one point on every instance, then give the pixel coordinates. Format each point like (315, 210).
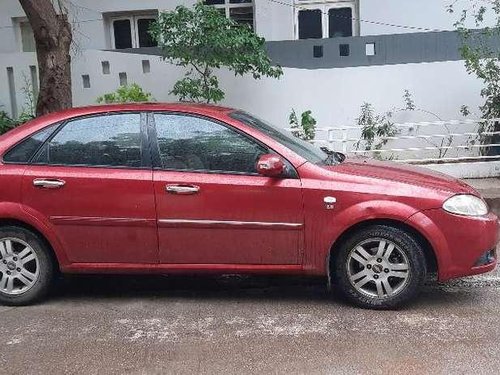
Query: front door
(213, 208)
(93, 181)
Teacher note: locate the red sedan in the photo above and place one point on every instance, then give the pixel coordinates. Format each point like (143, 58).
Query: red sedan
(164, 188)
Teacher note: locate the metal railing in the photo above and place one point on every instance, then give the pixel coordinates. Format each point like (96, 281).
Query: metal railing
(420, 142)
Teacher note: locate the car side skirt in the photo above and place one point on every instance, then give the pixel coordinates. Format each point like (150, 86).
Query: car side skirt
(127, 268)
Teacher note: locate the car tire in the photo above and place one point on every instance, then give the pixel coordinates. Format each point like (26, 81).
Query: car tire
(378, 267)
(26, 267)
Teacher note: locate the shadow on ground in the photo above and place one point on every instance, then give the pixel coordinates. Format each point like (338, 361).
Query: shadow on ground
(232, 287)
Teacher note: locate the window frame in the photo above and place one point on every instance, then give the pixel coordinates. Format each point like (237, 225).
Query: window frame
(134, 27)
(156, 157)
(17, 23)
(227, 6)
(324, 6)
(57, 126)
(145, 149)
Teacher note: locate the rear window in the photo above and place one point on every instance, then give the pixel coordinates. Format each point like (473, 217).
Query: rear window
(104, 140)
(24, 151)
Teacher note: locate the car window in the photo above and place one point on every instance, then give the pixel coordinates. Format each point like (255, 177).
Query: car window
(24, 151)
(193, 143)
(305, 149)
(109, 140)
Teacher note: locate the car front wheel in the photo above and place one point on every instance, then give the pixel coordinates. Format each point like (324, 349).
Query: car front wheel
(25, 267)
(379, 267)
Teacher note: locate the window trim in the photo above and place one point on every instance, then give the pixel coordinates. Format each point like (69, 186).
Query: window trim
(325, 6)
(227, 6)
(112, 30)
(18, 33)
(134, 28)
(145, 149)
(155, 150)
(3, 161)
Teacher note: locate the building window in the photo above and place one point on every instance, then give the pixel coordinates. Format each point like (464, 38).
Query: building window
(241, 11)
(326, 18)
(310, 24)
(27, 37)
(131, 31)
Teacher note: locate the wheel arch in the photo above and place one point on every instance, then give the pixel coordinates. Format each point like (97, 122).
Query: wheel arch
(37, 232)
(430, 254)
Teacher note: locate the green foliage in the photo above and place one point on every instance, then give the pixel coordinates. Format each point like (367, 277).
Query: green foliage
(28, 112)
(377, 129)
(126, 94)
(305, 128)
(445, 141)
(482, 59)
(29, 108)
(409, 102)
(202, 40)
(465, 110)
(204, 89)
(6, 123)
(374, 128)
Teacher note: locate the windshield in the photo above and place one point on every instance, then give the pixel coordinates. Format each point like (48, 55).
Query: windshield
(305, 149)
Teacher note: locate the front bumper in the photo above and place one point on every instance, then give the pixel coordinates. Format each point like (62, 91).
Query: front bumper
(463, 245)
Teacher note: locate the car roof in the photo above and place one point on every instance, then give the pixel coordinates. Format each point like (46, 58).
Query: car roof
(20, 132)
(145, 106)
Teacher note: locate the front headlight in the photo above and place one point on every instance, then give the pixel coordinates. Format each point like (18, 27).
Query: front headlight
(465, 204)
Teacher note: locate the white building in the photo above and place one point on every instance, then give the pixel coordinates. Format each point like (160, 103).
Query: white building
(336, 54)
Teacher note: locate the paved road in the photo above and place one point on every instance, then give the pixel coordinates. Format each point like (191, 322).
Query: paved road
(135, 325)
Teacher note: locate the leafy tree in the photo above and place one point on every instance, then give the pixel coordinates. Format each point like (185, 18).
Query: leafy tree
(481, 53)
(202, 40)
(126, 94)
(482, 57)
(305, 128)
(53, 38)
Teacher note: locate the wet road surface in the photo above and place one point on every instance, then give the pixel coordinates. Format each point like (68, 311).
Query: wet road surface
(157, 325)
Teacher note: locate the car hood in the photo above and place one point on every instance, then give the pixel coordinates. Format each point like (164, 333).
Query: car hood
(402, 173)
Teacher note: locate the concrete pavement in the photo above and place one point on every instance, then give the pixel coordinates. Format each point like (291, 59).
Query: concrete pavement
(184, 325)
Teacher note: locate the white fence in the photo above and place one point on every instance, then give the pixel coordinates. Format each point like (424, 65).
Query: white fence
(448, 146)
(464, 148)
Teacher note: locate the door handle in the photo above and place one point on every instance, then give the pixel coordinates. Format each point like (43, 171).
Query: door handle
(48, 183)
(182, 189)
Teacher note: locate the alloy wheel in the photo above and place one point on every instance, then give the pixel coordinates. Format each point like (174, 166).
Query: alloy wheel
(19, 266)
(378, 268)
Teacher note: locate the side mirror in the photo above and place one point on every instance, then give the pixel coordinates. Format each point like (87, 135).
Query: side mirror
(270, 165)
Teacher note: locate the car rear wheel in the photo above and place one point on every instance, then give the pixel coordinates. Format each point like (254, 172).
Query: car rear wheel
(26, 268)
(379, 267)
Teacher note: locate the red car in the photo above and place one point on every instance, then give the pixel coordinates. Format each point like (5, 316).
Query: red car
(177, 188)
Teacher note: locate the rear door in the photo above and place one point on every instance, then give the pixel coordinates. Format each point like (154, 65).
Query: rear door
(213, 208)
(93, 182)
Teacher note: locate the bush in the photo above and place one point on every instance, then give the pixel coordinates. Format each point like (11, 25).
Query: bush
(305, 128)
(6, 123)
(126, 94)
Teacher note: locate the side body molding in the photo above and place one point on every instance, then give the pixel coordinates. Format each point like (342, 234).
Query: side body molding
(16, 211)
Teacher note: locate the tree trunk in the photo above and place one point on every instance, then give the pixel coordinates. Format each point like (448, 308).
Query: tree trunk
(53, 39)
